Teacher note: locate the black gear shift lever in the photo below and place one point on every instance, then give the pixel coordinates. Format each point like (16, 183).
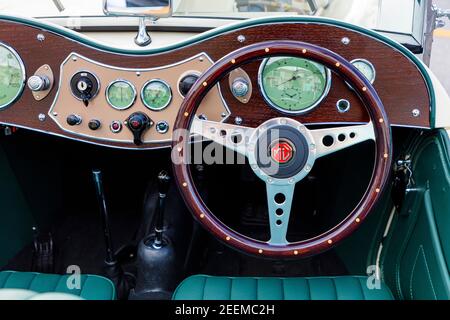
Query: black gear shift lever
(163, 188)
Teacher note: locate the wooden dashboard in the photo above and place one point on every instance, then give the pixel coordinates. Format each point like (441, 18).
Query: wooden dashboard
(399, 82)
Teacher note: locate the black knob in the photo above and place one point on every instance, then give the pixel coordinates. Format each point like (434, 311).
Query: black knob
(74, 120)
(163, 183)
(94, 125)
(138, 123)
(186, 83)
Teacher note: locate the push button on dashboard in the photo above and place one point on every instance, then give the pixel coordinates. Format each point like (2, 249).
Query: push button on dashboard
(94, 125)
(116, 126)
(162, 127)
(74, 120)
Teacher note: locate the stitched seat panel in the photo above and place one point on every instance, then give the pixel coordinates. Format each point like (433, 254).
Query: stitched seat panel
(202, 287)
(91, 287)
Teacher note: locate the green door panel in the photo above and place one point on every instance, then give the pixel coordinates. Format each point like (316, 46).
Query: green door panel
(16, 219)
(415, 263)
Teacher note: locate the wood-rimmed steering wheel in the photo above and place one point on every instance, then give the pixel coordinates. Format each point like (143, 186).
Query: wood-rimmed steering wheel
(300, 147)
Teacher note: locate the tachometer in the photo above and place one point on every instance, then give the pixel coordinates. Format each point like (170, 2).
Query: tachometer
(12, 76)
(293, 85)
(156, 95)
(121, 94)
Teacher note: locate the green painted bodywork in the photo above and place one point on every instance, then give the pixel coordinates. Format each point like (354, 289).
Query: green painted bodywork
(16, 220)
(321, 288)
(416, 258)
(235, 26)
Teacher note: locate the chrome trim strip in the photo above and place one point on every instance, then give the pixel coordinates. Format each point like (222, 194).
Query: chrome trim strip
(23, 71)
(278, 108)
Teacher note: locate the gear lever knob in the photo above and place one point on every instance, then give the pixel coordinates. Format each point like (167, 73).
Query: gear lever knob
(163, 183)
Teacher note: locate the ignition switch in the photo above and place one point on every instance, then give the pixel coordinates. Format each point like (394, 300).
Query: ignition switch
(84, 86)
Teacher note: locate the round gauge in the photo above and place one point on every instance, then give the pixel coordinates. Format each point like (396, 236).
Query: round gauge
(12, 76)
(156, 95)
(366, 68)
(121, 94)
(293, 85)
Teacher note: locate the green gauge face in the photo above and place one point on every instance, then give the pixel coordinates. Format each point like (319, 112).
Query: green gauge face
(121, 94)
(156, 95)
(366, 68)
(12, 76)
(293, 85)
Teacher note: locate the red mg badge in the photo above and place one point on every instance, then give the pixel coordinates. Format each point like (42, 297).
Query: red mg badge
(282, 152)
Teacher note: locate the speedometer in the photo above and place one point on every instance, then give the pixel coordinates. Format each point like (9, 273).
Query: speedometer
(293, 85)
(12, 76)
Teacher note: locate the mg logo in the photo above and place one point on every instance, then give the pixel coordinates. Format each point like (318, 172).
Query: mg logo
(282, 152)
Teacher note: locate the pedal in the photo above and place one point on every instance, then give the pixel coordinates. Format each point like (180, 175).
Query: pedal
(43, 253)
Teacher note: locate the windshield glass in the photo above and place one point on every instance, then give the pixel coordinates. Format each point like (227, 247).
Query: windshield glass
(385, 15)
(364, 12)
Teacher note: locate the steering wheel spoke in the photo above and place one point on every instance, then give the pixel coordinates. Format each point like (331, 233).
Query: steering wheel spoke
(332, 140)
(231, 136)
(279, 199)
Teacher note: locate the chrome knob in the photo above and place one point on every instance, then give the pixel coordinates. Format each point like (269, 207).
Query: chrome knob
(240, 87)
(38, 83)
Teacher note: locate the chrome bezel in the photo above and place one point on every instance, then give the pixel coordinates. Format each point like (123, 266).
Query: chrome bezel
(156, 81)
(347, 109)
(262, 130)
(94, 95)
(370, 64)
(278, 108)
(24, 75)
(162, 131)
(134, 94)
(114, 130)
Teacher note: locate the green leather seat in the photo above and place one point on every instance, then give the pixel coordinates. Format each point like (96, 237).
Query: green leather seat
(202, 287)
(92, 287)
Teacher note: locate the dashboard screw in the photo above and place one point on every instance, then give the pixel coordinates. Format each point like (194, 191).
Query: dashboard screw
(345, 41)
(416, 113)
(241, 38)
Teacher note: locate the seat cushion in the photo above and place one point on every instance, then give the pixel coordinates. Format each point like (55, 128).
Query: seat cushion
(21, 294)
(202, 287)
(92, 287)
